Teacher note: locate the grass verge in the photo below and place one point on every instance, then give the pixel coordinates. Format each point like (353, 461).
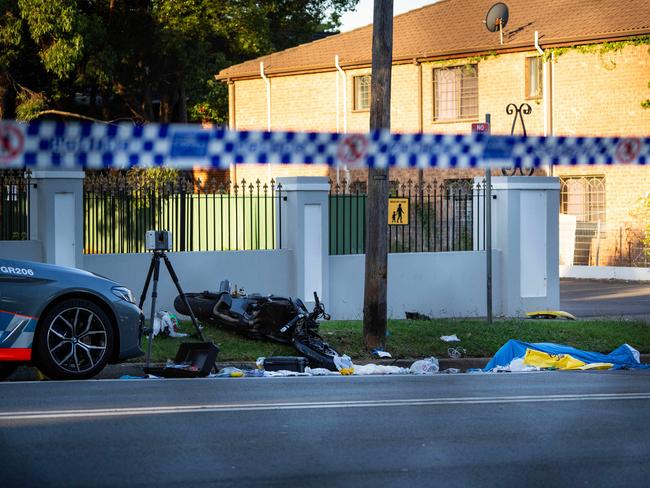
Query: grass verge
(417, 339)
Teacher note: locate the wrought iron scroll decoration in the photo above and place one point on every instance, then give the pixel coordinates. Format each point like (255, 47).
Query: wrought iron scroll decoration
(519, 112)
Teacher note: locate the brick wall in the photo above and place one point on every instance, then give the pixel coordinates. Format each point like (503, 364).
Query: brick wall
(601, 95)
(592, 95)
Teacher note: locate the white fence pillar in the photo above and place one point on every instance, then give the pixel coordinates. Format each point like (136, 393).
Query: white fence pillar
(305, 230)
(525, 227)
(56, 216)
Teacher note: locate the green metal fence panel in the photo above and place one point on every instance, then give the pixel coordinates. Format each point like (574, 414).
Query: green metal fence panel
(225, 218)
(438, 217)
(14, 204)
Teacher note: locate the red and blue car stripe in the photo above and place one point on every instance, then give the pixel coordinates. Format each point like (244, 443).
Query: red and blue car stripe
(16, 336)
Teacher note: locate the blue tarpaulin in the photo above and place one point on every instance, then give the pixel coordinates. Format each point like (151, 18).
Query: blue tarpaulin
(623, 357)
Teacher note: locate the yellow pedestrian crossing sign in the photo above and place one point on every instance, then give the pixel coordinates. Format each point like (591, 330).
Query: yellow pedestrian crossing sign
(398, 211)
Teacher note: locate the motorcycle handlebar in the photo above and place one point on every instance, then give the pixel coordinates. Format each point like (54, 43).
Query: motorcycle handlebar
(318, 309)
(291, 324)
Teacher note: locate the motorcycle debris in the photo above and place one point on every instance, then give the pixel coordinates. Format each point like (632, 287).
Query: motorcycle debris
(451, 371)
(416, 316)
(456, 352)
(380, 353)
(450, 338)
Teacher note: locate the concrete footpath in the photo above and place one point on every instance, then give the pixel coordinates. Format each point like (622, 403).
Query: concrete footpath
(116, 371)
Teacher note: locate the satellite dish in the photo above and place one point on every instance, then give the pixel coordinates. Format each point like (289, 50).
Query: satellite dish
(497, 18)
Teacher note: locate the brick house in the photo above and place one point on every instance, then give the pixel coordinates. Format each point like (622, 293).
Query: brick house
(588, 75)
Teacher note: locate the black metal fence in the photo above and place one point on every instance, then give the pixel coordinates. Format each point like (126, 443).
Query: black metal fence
(437, 217)
(14, 204)
(119, 209)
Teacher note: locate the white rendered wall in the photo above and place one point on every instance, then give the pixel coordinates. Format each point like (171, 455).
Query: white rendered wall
(256, 271)
(605, 273)
(24, 250)
(448, 284)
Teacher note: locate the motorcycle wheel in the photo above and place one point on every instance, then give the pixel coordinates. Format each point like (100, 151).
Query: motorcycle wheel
(201, 304)
(319, 353)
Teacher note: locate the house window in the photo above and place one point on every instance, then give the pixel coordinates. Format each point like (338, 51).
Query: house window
(11, 193)
(455, 93)
(534, 77)
(584, 197)
(460, 187)
(362, 92)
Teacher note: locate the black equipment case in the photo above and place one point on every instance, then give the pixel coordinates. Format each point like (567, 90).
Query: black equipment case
(193, 359)
(286, 363)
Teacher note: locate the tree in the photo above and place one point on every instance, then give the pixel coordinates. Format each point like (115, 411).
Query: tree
(376, 275)
(143, 60)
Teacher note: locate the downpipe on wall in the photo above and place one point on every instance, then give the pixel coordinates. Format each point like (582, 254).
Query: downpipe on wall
(345, 116)
(267, 82)
(545, 93)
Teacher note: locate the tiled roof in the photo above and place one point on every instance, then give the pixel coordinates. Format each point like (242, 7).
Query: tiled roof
(450, 28)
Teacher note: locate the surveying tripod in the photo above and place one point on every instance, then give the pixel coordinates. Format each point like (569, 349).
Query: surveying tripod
(154, 271)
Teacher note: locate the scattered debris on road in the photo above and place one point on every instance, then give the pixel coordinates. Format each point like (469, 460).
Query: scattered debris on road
(380, 353)
(416, 316)
(456, 352)
(450, 338)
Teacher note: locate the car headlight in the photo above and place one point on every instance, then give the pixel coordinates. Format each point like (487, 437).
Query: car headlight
(124, 293)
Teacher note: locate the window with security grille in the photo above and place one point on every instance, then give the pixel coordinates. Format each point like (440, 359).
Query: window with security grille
(584, 197)
(459, 186)
(362, 92)
(455, 93)
(534, 77)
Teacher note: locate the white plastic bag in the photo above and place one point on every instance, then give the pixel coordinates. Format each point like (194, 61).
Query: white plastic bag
(165, 323)
(368, 369)
(426, 366)
(450, 338)
(319, 371)
(517, 365)
(283, 373)
(343, 362)
(380, 353)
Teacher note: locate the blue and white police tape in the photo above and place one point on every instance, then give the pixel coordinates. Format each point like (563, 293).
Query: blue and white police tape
(83, 145)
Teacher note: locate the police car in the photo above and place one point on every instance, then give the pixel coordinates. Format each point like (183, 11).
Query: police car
(68, 322)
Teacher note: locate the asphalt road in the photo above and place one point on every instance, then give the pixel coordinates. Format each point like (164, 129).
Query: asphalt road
(591, 298)
(531, 429)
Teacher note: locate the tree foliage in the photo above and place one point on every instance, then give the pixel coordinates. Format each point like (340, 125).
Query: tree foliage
(143, 60)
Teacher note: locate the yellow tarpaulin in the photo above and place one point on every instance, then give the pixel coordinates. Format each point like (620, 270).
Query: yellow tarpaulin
(544, 360)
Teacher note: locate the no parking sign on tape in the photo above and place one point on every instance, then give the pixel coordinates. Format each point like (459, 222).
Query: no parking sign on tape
(628, 150)
(12, 143)
(353, 150)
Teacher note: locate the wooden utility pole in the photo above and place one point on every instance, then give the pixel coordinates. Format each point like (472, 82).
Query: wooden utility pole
(375, 293)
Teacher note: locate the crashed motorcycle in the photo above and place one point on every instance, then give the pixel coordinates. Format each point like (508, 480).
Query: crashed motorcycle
(280, 319)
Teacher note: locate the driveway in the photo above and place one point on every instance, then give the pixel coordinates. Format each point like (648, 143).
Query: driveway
(596, 298)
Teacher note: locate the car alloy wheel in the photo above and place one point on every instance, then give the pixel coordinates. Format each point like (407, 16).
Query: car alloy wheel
(73, 340)
(77, 340)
